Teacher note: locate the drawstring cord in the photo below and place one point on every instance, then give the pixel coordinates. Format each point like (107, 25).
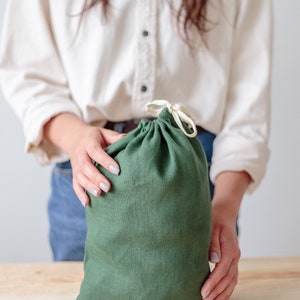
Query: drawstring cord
(178, 113)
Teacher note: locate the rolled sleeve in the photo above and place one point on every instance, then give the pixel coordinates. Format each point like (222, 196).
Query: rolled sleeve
(242, 144)
(32, 76)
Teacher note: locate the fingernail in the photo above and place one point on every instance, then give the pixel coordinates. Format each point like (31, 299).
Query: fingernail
(214, 257)
(104, 187)
(83, 203)
(205, 294)
(122, 134)
(114, 169)
(94, 191)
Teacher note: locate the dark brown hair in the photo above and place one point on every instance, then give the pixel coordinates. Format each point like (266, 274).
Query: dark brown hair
(191, 13)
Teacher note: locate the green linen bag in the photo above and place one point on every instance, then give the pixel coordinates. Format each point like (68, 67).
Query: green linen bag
(148, 238)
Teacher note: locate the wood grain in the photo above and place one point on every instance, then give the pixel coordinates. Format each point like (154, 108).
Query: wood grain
(260, 278)
(269, 278)
(59, 281)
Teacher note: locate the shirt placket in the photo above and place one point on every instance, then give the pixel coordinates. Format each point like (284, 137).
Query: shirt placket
(144, 81)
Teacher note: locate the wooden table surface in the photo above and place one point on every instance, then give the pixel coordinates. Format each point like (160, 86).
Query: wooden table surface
(260, 278)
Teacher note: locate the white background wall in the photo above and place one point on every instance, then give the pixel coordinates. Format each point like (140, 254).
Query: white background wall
(269, 219)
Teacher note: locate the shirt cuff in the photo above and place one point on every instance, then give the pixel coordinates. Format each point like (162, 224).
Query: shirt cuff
(234, 154)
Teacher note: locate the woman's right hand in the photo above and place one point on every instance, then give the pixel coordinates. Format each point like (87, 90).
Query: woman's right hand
(84, 144)
(90, 147)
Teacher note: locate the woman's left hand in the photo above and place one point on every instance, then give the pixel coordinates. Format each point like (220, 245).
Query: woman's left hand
(224, 248)
(225, 253)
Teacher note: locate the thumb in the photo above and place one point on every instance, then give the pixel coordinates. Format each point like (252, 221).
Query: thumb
(214, 255)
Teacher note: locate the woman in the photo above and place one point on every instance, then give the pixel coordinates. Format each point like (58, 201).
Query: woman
(68, 71)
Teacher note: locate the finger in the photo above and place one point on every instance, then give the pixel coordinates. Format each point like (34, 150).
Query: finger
(87, 184)
(214, 257)
(81, 194)
(215, 248)
(103, 159)
(227, 292)
(226, 285)
(98, 179)
(216, 276)
(111, 136)
(97, 154)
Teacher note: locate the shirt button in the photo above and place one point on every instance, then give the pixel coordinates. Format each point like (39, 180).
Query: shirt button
(144, 88)
(145, 33)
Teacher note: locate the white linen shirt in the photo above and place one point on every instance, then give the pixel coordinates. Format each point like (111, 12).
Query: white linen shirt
(109, 70)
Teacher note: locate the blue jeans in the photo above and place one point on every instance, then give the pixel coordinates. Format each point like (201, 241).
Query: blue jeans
(67, 215)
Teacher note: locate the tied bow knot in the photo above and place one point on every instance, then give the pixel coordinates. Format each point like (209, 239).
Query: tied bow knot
(178, 112)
